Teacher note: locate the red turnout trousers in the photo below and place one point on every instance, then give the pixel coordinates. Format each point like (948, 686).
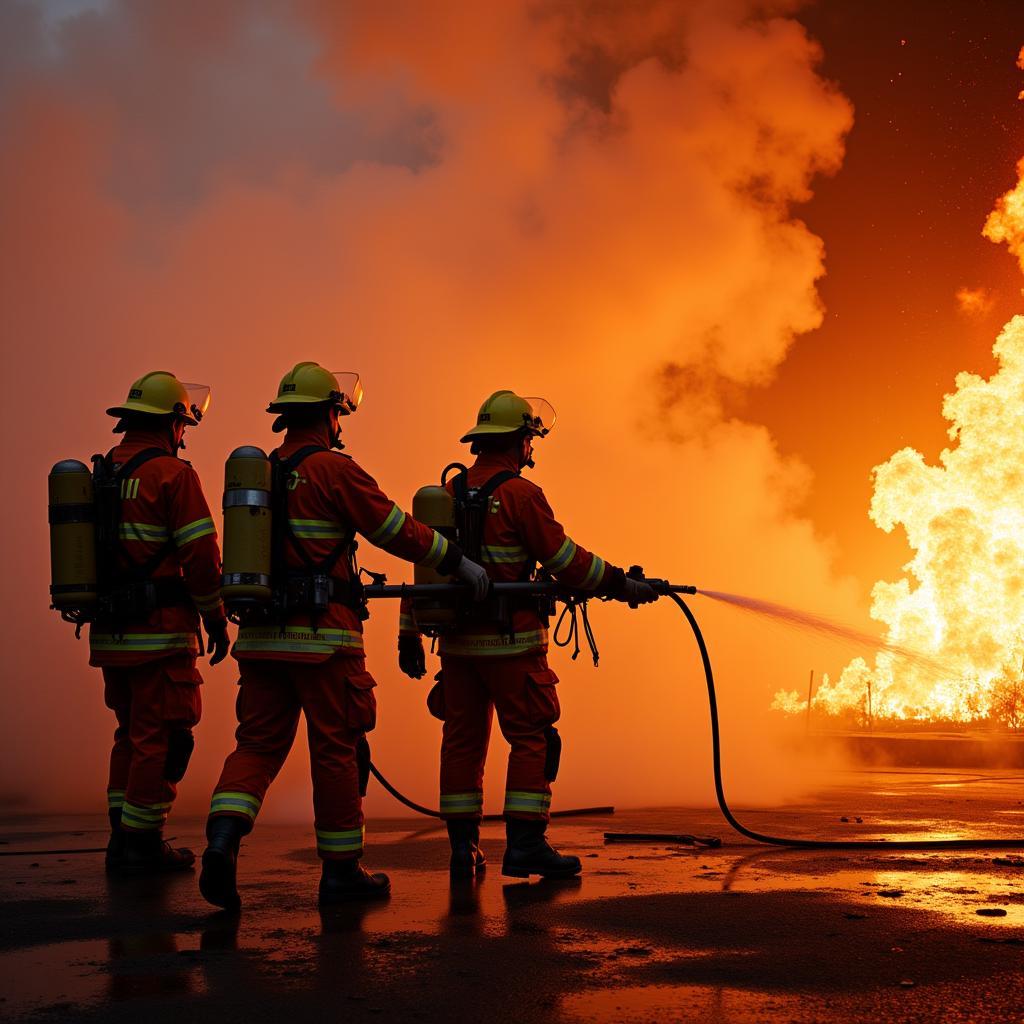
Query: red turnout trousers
(522, 690)
(337, 699)
(156, 703)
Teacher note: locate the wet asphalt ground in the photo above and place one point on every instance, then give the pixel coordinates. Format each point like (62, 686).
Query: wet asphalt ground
(650, 933)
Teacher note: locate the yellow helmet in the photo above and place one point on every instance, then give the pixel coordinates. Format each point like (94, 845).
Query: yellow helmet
(310, 383)
(505, 412)
(161, 394)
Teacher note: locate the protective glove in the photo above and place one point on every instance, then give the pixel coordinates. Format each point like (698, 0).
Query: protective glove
(411, 659)
(476, 576)
(217, 642)
(637, 592)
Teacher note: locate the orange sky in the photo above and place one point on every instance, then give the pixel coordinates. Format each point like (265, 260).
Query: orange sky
(600, 206)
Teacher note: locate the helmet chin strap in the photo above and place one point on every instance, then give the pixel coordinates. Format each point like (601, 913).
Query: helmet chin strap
(526, 458)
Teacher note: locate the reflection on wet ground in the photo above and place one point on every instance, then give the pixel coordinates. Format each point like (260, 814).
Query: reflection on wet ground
(651, 932)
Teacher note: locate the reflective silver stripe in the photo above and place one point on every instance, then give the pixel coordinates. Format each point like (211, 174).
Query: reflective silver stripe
(562, 557)
(487, 644)
(142, 641)
(351, 839)
(240, 803)
(137, 816)
(462, 801)
(297, 640)
(438, 549)
(389, 529)
(145, 532)
(314, 529)
(530, 803)
(193, 531)
(594, 574)
(499, 555)
(248, 497)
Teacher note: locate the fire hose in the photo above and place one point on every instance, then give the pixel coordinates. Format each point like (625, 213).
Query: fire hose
(673, 592)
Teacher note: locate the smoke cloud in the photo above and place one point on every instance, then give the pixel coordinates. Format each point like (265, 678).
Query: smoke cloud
(590, 202)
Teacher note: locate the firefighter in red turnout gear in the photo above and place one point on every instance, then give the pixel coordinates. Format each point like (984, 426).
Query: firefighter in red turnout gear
(160, 567)
(502, 666)
(309, 662)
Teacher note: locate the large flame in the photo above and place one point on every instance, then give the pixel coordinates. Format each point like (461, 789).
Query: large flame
(961, 602)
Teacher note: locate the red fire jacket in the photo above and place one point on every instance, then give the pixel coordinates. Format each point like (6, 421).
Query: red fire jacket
(520, 530)
(330, 496)
(164, 500)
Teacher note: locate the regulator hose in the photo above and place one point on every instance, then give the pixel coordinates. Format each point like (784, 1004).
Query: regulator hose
(809, 844)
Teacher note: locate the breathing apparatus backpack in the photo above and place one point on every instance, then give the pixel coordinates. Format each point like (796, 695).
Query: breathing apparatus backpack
(460, 516)
(93, 576)
(258, 584)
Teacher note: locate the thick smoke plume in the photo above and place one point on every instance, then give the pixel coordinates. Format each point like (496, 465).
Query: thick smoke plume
(587, 201)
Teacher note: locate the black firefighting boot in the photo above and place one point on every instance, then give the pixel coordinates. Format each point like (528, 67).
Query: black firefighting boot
(467, 858)
(345, 881)
(146, 853)
(529, 853)
(115, 845)
(220, 858)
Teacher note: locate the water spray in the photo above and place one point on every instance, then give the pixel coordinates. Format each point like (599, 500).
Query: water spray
(674, 592)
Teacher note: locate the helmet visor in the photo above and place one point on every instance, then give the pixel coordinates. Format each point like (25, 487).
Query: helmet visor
(198, 399)
(542, 416)
(350, 391)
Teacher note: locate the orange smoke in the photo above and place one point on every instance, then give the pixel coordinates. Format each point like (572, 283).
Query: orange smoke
(589, 203)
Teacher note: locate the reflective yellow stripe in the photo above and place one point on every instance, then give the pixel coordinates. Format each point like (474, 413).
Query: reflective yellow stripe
(526, 802)
(239, 803)
(297, 640)
(389, 529)
(498, 555)
(206, 602)
(336, 842)
(438, 549)
(562, 557)
(115, 798)
(406, 623)
(193, 531)
(594, 574)
(148, 816)
(487, 644)
(456, 803)
(314, 529)
(143, 641)
(145, 532)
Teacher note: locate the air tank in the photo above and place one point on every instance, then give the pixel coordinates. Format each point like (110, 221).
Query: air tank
(72, 514)
(434, 506)
(247, 528)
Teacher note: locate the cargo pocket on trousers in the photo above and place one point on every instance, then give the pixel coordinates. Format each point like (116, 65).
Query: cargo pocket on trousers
(435, 699)
(542, 698)
(361, 709)
(183, 700)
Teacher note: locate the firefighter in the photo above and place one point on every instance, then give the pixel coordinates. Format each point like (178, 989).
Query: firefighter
(502, 666)
(160, 568)
(313, 662)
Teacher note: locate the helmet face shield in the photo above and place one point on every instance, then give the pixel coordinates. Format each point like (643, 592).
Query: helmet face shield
(350, 391)
(199, 396)
(541, 418)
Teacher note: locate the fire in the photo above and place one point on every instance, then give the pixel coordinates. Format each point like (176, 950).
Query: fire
(961, 602)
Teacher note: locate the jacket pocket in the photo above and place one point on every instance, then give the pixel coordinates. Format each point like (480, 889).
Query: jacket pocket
(360, 701)
(541, 697)
(435, 699)
(182, 698)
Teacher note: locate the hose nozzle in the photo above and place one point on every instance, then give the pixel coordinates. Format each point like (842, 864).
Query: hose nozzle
(636, 572)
